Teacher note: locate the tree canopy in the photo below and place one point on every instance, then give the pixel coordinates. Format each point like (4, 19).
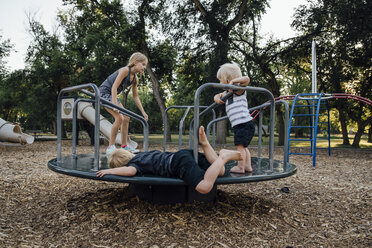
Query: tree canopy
(186, 42)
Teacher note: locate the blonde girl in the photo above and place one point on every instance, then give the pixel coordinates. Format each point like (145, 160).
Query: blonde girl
(110, 89)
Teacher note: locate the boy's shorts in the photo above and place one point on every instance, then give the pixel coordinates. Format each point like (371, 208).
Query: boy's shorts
(243, 133)
(185, 167)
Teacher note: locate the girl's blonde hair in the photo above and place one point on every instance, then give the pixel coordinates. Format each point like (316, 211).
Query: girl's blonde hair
(137, 57)
(229, 71)
(119, 158)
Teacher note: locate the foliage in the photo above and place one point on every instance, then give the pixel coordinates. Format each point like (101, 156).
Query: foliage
(5, 48)
(186, 42)
(342, 30)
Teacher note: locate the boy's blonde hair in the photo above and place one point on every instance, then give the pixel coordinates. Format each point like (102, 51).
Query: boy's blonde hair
(119, 158)
(229, 71)
(137, 57)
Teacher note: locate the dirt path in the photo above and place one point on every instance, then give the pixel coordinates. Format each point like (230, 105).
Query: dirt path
(329, 206)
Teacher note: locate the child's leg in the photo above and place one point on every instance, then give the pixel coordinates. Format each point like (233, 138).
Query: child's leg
(124, 127)
(124, 130)
(240, 168)
(210, 176)
(208, 150)
(248, 166)
(115, 126)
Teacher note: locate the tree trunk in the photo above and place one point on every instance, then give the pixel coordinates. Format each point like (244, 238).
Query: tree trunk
(154, 79)
(219, 33)
(370, 135)
(361, 127)
(159, 99)
(345, 136)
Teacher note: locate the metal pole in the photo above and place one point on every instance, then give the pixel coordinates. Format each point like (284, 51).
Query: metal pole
(313, 81)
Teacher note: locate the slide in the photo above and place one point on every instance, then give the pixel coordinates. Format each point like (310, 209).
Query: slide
(87, 111)
(10, 132)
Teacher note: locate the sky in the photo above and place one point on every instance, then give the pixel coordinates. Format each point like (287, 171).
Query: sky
(13, 22)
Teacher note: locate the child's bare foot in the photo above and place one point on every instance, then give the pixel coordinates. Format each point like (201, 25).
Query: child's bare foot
(229, 155)
(202, 137)
(248, 168)
(237, 169)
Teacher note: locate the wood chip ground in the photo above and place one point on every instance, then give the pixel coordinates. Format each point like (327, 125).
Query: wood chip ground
(327, 206)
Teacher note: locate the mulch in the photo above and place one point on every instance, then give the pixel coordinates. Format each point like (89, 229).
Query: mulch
(326, 206)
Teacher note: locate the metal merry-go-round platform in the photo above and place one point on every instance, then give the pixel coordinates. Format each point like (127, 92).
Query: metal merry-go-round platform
(160, 189)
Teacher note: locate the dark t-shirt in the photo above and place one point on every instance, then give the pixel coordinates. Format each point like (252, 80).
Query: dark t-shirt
(153, 162)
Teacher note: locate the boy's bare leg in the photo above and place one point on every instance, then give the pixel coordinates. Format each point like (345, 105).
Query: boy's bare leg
(210, 176)
(208, 150)
(240, 168)
(248, 166)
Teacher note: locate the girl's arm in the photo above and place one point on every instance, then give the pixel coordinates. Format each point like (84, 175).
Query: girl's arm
(127, 171)
(138, 102)
(123, 72)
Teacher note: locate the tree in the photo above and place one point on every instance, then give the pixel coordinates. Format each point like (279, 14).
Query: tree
(5, 48)
(6, 101)
(162, 59)
(100, 38)
(342, 30)
(203, 35)
(48, 73)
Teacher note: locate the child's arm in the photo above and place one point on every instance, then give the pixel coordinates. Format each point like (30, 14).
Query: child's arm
(138, 102)
(123, 72)
(217, 98)
(241, 81)
(127, 171)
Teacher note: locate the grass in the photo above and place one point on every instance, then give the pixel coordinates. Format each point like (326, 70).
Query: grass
(336, 141)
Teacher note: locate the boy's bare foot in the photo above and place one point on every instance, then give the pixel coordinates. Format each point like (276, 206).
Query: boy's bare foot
(237, 169)
(202, 137)
(229, 155)
(248, 168)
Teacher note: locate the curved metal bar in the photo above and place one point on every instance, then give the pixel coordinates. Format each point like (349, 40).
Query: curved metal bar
(126, 112)
(234, 87)
(261, 108)
(59, 120)
(181, 125)
(74, 122)
(204, 112)
(212, 122)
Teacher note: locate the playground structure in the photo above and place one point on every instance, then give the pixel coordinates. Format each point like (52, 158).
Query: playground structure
(10, 132)
(159, 189)
(85, 110)
(306, 106)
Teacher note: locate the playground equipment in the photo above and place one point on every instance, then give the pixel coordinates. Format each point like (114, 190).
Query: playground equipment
(310, 107)
(316, 105)
(10, 132)
(159, 189)
(85, 110)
